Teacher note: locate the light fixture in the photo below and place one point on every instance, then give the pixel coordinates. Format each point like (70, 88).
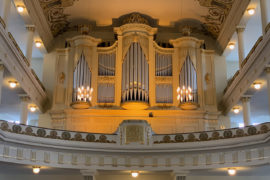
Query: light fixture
(33, 108)
(38, 44)
(236, 110)
(251, 11)
(231, 46)
(257, 85)
(12, 84)
(134, 174)
(231, 171)
(20, 8)
(36, 169)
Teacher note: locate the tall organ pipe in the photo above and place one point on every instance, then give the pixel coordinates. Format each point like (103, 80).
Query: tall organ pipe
(135, 72)
(188, 77)
(81, 76)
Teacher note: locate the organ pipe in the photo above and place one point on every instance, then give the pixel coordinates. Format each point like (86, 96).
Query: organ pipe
(106, 64)
(163, 64)
(187, 90)
(135, 70)
(82, 81)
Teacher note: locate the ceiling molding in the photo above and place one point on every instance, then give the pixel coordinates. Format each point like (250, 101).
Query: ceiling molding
(233, 19)
(40, 21)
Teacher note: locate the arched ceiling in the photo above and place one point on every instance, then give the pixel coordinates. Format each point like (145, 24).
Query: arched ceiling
(62, 14)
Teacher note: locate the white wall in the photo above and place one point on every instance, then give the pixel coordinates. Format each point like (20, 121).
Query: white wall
(220, 75)
(37, 66)
(232, 67)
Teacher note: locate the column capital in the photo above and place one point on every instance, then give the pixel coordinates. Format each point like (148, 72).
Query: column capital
(267, 70)
(30, 28)
(2, 67)
(240, 29)
(24, 97)
(245, 98)
(180, 173)
(88, 172)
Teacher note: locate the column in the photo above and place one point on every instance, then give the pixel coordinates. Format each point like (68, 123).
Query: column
(29, 43)
(1, 79)
(181, 175)
(24, 108)
(267, 70)
(88, 174)
(241, 53)
(246, 109)
(264, 14)
(5, 11)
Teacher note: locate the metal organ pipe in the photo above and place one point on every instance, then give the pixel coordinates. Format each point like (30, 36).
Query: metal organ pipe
(81, 77)
(135, 75)
(163, 64)
(188, 81)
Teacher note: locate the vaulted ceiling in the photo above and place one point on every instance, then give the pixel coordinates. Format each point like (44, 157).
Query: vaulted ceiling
(64, 15)
(61, 14)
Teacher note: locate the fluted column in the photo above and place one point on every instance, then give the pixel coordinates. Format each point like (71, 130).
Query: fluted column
(1, 79)
(5, 10)
(264, 14)
(246, 109)
(241, 53)
(267, 70)
(29, 43)
(24, 108)
(88, 174)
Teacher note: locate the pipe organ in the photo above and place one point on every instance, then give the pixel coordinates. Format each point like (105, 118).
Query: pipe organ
(106, 64)
(135, 69)
(82, 81)
(135, 72)
(163, 64)
(187, 82)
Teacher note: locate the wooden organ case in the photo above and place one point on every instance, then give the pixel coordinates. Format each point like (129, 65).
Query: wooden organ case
(135, 78)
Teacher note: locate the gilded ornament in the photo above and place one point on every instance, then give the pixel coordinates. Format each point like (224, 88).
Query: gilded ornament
(179, 138)
(264, 129)
(16, 128)
(252, 130)
(66, 135)
(28, 130)
(228, 134)
(78, 137)
(203, 136)
(240, 133)
(191, 137)
(90, 137)
(215, 135)
(4, 126)
(41, 132)
(103, 138)
(53, 134)
(167, 139)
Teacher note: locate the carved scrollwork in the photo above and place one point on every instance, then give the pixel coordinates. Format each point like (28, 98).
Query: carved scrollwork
(217, 13)
(41, 132)
(66, 135)
(4, 126)
(90, 137)
(135, 18)
(252, 130)
(16, 128)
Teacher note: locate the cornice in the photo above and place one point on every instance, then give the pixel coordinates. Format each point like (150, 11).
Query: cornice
(40, 21)
(232, 20)
(252, 67)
